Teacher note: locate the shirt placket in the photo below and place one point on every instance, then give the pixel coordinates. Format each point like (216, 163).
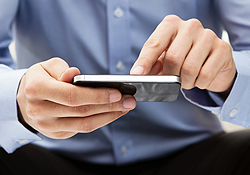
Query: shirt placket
(120, 63)
(118, 27)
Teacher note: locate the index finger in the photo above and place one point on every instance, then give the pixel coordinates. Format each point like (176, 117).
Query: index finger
(72, 95)
(57, 87)
(156, 44)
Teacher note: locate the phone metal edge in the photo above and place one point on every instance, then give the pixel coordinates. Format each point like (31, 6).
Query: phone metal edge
(127, 78)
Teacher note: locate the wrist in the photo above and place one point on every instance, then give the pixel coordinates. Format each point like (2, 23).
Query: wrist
(225, 94)
(22, 121)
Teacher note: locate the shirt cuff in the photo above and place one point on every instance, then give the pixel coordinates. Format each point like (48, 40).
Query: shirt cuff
(12, 133)
(236, 108)
(202, 99)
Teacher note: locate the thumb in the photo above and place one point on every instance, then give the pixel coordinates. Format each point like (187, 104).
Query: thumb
(69, 74)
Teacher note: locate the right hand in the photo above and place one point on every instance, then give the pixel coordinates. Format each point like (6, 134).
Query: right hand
(53, 106)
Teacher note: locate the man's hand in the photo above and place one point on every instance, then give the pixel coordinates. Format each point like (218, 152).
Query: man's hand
(186, 49)
(53, 106)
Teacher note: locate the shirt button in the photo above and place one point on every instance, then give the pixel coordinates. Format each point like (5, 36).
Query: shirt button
(233, 113)
(124, 150)
(118, 12)
(119, 66)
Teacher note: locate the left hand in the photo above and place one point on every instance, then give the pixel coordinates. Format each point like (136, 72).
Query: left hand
(185, 48)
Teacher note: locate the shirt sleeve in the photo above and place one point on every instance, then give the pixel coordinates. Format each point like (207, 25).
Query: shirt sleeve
(12, 133)
(236, 107)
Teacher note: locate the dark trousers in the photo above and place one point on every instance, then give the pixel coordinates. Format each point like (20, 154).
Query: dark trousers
(226, 153)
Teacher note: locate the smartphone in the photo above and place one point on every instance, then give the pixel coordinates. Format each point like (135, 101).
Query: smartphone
(147, 88)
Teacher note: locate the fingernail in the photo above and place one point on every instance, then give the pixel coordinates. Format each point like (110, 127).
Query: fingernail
(115, 96)
(129, 103)
(138, 70)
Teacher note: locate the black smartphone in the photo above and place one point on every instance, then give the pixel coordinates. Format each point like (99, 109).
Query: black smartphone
(148, 88)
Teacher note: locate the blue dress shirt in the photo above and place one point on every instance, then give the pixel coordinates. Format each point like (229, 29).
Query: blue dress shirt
(105, 37)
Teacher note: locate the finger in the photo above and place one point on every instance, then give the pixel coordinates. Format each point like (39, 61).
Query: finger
(156, 45)
(59, 134)
(156, 69)
(69, 75)
(47, 109)
(178, 50)
(47, 88)
(62, 134)
(196, 58)
(158, 66)
(79, 124)
(209, 71)
(71, 95)
(218, 73)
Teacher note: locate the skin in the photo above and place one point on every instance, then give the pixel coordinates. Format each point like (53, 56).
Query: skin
(50, 104)
(185, 48)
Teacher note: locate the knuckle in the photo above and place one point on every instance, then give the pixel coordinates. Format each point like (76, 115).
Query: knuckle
(208, 36)
(209, 33)
(31, 89)
(55, 61)
(112, 106)
(172, 58)
(194, 23)
(152, 43)
(42, 125)
(206, 75)
(171, 19)
(83, 110)
(224, 46)
(32, 111)
(189, 70)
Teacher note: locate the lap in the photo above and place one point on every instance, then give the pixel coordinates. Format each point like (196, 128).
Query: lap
(226, 153)
(31, 159)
